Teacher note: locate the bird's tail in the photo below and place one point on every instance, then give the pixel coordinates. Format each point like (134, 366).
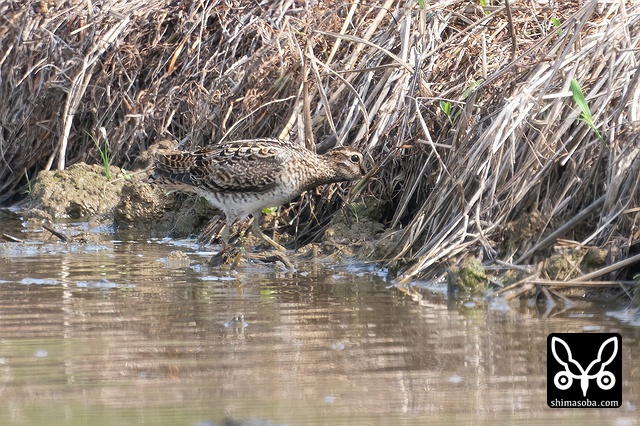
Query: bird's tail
(172, 169)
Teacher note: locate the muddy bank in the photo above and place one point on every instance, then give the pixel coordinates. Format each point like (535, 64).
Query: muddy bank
(128, 201)
(80, 192)
(356, 233)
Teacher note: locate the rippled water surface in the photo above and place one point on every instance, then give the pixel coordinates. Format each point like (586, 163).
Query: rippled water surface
(115, 332)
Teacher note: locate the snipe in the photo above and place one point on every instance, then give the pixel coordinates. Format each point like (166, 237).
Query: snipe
(244, 177)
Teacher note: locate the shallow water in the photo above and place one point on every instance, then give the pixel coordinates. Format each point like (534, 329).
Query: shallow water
(115, 332)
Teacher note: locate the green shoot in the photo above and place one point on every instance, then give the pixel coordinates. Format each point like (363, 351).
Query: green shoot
(270, 210)
(354, 211)
(471, 88)
(29, 187)
(556, 24)
(104, 154)
(585, 112)
(484, 3)
(422, 3)
(126, 175)
(445, 106)
(453, 112)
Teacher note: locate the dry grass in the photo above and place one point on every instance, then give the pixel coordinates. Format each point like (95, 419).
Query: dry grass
(375, 75)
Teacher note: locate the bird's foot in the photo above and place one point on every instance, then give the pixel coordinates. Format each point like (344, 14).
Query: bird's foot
(272, 258)
(229, 258)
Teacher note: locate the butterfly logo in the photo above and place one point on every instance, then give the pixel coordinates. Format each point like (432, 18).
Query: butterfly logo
(564, 379)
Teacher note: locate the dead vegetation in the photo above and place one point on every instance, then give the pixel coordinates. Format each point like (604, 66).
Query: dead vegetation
(475, 139)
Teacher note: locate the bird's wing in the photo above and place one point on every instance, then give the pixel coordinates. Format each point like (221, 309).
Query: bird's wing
(238, 167)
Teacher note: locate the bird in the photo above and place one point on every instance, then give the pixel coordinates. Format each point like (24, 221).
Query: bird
(242, 177)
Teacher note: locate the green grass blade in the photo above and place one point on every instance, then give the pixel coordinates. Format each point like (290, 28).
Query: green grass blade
(29, 187)
(585, 111)
(579, 98)
(104, 155)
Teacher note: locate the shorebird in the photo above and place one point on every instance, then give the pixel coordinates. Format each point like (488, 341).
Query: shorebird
(243, 177)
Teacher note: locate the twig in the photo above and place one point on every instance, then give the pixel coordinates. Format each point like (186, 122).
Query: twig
(512, 31)
(579, 282)
(515, 285)
(607, 269)
(12, 238)
(62, 237)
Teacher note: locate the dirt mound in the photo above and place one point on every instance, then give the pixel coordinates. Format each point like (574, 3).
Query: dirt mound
(81, 191)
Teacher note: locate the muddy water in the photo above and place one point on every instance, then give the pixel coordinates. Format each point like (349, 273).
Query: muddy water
(114, 332)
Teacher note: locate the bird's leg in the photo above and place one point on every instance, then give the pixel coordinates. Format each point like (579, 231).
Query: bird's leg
(229, 256)
(224, 235)
(211, 231)
(258, 232)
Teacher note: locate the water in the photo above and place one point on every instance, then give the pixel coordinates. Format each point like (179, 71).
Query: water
(114, 332)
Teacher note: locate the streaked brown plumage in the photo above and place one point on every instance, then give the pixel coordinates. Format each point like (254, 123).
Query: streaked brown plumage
(244, 177)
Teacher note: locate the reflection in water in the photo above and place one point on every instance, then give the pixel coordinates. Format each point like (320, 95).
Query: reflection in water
(114, 333)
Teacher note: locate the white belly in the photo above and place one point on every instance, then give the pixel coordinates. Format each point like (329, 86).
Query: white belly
(238, 205)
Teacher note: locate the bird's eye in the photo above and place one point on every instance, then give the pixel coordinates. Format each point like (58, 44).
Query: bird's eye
(355, 159)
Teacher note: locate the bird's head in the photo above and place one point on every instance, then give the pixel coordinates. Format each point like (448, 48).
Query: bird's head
(347, 163)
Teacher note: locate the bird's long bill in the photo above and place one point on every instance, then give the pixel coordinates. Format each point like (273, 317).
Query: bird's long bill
(358, 187)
